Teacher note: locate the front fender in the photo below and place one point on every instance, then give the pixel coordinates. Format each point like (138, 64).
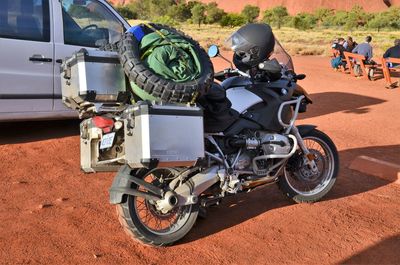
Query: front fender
(306, 128)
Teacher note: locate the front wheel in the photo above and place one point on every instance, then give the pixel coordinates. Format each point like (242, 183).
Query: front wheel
(302, 184)
(144, 222)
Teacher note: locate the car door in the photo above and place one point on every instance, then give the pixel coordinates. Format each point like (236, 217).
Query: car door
(26, 52)
(85, 24)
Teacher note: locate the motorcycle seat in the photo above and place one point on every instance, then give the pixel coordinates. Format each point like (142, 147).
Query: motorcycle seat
(218, 115)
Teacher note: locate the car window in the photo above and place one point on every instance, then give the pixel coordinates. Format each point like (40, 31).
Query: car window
(25, 20)
(89, 23)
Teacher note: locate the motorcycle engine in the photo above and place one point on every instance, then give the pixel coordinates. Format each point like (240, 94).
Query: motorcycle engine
(275, 144)
(262, 144)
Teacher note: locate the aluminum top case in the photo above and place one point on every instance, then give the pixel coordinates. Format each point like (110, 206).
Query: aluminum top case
(163, 135)
(93, 76)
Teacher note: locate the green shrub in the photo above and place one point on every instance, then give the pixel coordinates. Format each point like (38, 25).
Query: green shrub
(233, 20)
(213, 13)
(276, 16)
(126, 12)
(198, 13)
(323, 14)
(338, 19)
(180, 12)
(250, 13)
(304, 21)
(166, 20)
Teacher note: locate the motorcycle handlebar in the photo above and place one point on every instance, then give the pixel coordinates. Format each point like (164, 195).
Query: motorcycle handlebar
(229, 73)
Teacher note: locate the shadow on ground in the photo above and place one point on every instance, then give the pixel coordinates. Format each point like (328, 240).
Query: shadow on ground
(324, 103)
(384, 252)
(237, 209)
(31, 131)
(331, 102)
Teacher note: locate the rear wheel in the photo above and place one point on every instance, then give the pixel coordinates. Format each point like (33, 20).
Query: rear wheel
(300, 182)
(143, 221)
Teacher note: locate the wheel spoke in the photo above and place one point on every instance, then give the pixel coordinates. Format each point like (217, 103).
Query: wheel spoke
(148, 214)
(303, 181)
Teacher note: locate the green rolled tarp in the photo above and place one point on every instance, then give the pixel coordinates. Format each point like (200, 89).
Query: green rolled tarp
(165, 64)
(170, 56)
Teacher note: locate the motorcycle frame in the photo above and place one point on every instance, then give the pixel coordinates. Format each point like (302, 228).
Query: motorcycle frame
(289, 128)
(189, 194)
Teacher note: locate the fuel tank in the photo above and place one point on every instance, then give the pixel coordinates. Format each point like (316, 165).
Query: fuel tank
(258, 103)
(240, 97)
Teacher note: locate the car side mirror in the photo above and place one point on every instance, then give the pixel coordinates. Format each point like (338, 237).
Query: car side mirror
(213, 51)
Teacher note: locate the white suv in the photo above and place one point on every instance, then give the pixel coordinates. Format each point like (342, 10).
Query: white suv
(35, 36)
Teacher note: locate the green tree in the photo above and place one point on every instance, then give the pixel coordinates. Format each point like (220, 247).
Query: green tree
(321, 14)
(181, 12)
(126, 12)
(198, 13)
(268, 16)
(278, 15)
(191, 4)
(338, 19)
(357, 17)
(378, 22)
(233, 20)
(393, 17)
(150, 9)
(214, 14)
(251, 13)
(166, 20)
(351, 22)
(304, 21)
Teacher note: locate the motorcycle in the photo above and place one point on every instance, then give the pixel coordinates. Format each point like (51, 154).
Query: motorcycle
(158, 205)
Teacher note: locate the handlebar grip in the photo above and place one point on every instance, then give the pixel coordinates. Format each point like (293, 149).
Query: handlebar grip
(219, 74)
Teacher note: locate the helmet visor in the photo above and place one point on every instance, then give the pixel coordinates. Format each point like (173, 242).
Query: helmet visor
(238, 43)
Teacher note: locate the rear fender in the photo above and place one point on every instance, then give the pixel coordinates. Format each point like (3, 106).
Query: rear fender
(122, 186)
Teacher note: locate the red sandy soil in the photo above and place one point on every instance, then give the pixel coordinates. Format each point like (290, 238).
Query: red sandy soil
(296, 6)
(52, 213)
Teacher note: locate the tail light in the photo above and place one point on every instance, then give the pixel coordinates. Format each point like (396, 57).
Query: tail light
(106, 124)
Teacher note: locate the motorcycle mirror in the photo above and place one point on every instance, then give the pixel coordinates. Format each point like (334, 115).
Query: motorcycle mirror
(213, 51)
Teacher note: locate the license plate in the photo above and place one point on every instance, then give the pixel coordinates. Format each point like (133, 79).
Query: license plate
(107, 141)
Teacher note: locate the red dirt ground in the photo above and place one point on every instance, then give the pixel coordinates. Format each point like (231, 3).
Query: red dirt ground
(52, 213)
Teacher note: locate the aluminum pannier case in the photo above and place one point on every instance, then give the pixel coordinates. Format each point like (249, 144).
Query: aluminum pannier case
(93, 76)
(163, 135)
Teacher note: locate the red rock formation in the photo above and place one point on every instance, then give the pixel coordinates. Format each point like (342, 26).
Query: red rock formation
(296, 6)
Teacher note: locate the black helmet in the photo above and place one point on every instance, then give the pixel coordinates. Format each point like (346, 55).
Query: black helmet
(252, 44)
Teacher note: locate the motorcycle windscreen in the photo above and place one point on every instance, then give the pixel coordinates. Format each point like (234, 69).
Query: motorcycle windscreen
(282, 56)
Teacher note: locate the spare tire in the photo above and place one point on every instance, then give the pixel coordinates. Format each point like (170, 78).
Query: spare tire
(155, 85)
(112, 47)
